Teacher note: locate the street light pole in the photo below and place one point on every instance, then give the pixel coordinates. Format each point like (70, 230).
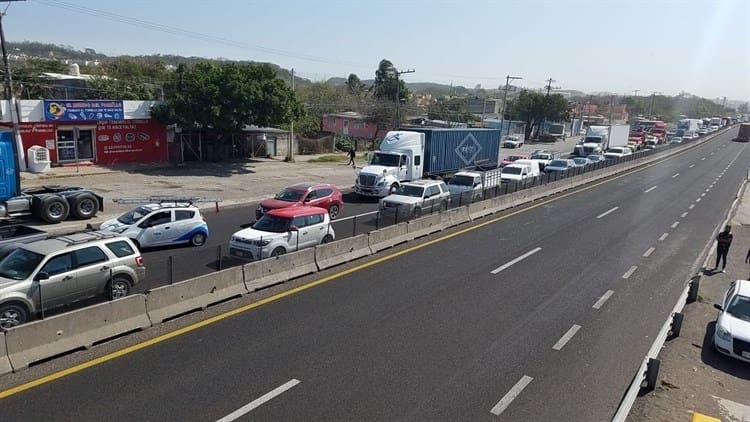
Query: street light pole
(20, 162)
(508, 78)
(397, 123)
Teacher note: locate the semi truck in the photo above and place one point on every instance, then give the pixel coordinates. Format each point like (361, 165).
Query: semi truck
(51, 204)
(688, 128)
(551, 132)
(600, 138)
(744, 134)
(413, 154)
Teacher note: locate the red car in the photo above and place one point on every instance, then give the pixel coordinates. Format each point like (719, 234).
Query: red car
(323, 195)
(511, 158)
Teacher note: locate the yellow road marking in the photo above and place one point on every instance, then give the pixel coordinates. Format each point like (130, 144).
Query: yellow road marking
(184, 330)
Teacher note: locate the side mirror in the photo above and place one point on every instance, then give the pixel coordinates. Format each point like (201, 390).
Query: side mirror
(719, 307)
(293, 229)
(307, 200)
(41, 275)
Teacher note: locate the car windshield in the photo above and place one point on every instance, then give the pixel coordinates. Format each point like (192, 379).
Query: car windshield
(580, 160)
(410, 190)
(388, 160)
(134, 215)
(19, 264)
(272, 223)
(511, 170)
(462, 180)
(290, 195)
(739, 307)
(558, 163)
(593, 140)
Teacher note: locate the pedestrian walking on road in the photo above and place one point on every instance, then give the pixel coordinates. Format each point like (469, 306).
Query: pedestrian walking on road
(723, 242)
(352, 154)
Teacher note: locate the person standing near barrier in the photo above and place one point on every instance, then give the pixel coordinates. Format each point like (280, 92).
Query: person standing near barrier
(723, 242)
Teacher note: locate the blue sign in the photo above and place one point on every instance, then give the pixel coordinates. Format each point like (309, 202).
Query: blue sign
(59, 111)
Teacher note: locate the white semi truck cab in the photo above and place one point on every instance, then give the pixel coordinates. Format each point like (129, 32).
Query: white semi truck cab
(399, 159)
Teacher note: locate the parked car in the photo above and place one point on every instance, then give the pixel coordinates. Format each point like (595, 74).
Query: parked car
(702, 132)
(323, 195)
(617, 152)
(413, 199)
(59, 271)
(519, 171)
(512, 141)
(595, 158)
(160, 225)
(634, 146)
(543, 157)
(560, 165)
(581, 161)
(511, 158)
(283, 230)
(732, 332)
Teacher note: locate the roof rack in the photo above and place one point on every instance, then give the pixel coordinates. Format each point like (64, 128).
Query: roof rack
(162, 200)
(85, 237)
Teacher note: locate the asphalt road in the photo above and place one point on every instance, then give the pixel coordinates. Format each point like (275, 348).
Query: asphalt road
(543, 314)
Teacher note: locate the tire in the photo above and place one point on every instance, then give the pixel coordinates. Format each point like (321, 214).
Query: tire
(52, 209)
(393, 188)
(278, 252)
(198, 239)
(118, 288)
(84, 206)
(333, 211)
(327, 239)
(12, 315)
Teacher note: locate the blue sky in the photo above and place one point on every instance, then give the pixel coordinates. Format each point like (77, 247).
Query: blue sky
(698, 46)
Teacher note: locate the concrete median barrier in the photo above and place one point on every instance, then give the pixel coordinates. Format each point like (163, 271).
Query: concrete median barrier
(4, 361)
(455, 216)
(501, 203)
(163, 303)
(341, 251)
(285, 267)
(252, 271)
(388, 237)
(425, 225)
(74, 330)
(480, 209)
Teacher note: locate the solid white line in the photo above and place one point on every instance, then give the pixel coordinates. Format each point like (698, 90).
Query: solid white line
(675, 224)
(259, 401)
(607, 212)
(675, 175)
(703, 158)
(520, 258)
(703, 194)
(684, 214)
(603, 299)
(692, 165)
(629, 272)
(649, 251)
(664, 236)
(566, 337)
(511, 395)
(691, 206)
(698, 200)
(649, 189)
(708, 190)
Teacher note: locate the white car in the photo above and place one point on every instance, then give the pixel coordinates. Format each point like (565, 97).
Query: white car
(283, 230)
(617, 152)
(732, 333)
(413, 199)
(160, 225)
(676, 140)
(512, 141)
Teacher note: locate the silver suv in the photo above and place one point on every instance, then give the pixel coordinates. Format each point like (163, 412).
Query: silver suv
(54, 272)
(413, 199)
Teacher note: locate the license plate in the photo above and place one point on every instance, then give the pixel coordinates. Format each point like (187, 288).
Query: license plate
(241, 254)
(746, 355)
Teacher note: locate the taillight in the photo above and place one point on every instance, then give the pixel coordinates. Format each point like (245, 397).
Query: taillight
(139, 261)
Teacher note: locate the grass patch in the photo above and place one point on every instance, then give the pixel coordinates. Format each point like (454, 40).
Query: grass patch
(329, 159)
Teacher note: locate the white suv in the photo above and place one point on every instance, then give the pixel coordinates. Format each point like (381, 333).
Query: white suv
(413, 199)
(732, 333)
(283, 230)
(160, 224)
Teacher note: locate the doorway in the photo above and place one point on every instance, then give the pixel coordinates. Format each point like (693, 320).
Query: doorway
(68, 148)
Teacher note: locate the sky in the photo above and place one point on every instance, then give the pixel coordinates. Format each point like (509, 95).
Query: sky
(697, 46)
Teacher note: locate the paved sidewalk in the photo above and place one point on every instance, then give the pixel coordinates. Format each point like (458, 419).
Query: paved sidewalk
(693, 376)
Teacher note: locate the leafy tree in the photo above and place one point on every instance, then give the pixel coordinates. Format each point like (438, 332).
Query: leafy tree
(226, 97)
(534, 108)
(28, 80)
(355, 86)
(450, 109)
(387, 83)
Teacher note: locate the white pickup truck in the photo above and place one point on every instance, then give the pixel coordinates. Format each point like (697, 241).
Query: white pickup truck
(513, 141)
(476, 181)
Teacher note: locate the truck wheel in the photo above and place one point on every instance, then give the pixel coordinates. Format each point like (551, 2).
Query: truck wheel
(52, 209)
(12, 314)
(393, 188)
(84, 206)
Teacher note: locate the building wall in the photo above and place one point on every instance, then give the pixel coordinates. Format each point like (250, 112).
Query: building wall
(356, 127)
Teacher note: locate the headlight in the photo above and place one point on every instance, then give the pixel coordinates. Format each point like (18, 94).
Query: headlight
(723, 333)
(262, 242)
(120, 230)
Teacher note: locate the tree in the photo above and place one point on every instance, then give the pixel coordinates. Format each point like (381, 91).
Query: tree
(29, 81)
(226, 97)
(534, 108)
(355, 86)
(386, 85)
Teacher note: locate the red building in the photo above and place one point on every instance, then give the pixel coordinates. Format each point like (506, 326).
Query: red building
(91, 131)
(351, 124)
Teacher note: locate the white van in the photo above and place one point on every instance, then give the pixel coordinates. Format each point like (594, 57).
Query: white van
(517, 172)
(534, 168)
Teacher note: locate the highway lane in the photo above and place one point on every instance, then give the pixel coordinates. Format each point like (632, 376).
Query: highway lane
(434, 334)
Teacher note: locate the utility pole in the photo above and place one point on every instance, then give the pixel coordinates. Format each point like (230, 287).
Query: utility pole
(651, 108)
(636, 91)
(508, 78)
(611, 105)
(397, 123)
(290, 147)
(20, 162)
(549, 85)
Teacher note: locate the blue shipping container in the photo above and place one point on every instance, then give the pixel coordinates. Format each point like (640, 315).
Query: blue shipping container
(449, 150)
(8, 179)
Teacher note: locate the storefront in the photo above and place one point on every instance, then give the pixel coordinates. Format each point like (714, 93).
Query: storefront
(93, 131)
